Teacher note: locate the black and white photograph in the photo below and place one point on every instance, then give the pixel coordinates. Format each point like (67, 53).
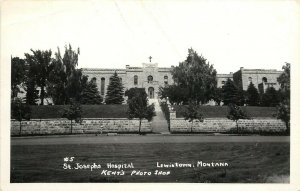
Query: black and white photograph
(179, 94)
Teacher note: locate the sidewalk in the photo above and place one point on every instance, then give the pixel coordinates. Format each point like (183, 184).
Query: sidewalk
(63, 140)
(159, 123)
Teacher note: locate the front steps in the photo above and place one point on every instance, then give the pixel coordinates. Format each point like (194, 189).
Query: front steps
(159, 123)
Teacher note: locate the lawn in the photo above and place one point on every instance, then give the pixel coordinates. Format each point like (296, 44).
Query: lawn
(88, 111)
(248, 162)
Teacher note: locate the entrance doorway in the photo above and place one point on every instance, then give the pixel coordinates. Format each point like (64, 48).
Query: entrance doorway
(151, 93)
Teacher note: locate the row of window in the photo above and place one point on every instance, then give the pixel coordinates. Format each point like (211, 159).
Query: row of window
(264, 79)
(135, 82)
(149, 78)
(102, 88)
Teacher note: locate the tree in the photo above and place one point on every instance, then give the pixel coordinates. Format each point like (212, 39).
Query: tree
(139, 108)
(230, 93)
(18, 73)
(283, 109)
(115, 90)
(252, 95)
(283, 113)
(30, 83)
(20, 111)
(65, 81)
(73, 113)
(235, 113)
(90, 94)
(270, 98)
(175, 94)
(75, 86)
(133, 92)
(193, 112)
(41, 60)
(198, 76)
(218, 96)
(284, 79)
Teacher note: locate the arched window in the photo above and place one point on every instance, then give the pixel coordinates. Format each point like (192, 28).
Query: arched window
(102, 86)
(109, 80)
(264, 79)
(121, 80)
(166, 79)
(135, 80)
(249, 80)
(150, 78)
(94, 79)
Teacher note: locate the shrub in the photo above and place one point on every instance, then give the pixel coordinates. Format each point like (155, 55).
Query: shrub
(165, 109)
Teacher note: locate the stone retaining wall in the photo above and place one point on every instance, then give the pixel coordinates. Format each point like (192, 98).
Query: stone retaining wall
(222, 125)
(63, 126)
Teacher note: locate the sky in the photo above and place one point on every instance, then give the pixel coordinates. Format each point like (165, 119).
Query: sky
(111, 34)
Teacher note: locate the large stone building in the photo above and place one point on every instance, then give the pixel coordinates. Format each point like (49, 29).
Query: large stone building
(261, 78)
(151, 77)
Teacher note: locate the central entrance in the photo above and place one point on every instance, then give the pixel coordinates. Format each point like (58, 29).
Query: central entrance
(151, 93)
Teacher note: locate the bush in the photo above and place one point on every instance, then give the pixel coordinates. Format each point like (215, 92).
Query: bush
(88, 111)
(165, 109)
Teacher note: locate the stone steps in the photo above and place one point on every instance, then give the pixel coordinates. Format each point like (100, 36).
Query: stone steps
(159, 123)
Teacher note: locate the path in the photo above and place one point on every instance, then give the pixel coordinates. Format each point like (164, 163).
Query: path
(159, 123)
(92, 139)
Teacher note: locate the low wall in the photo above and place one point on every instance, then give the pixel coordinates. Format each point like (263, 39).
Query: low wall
(63, 126)
(222, 125)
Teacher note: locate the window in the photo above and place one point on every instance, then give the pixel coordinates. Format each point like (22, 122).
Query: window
(150, 78)
(166, 79)
(121, 80)
(102, 86)
(135, 80)
(94, 80)
(264, 79)
(249, 80)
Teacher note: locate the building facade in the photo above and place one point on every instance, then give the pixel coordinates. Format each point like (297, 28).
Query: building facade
(261, 78)
(151, 77)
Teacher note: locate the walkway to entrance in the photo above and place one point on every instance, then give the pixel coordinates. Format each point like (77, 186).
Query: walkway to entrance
(159, 123)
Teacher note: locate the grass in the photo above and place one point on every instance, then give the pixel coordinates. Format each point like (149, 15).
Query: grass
(88, 111)
(248, 162)
(222, 111)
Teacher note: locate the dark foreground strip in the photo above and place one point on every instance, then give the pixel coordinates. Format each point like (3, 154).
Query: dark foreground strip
(142, 139)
